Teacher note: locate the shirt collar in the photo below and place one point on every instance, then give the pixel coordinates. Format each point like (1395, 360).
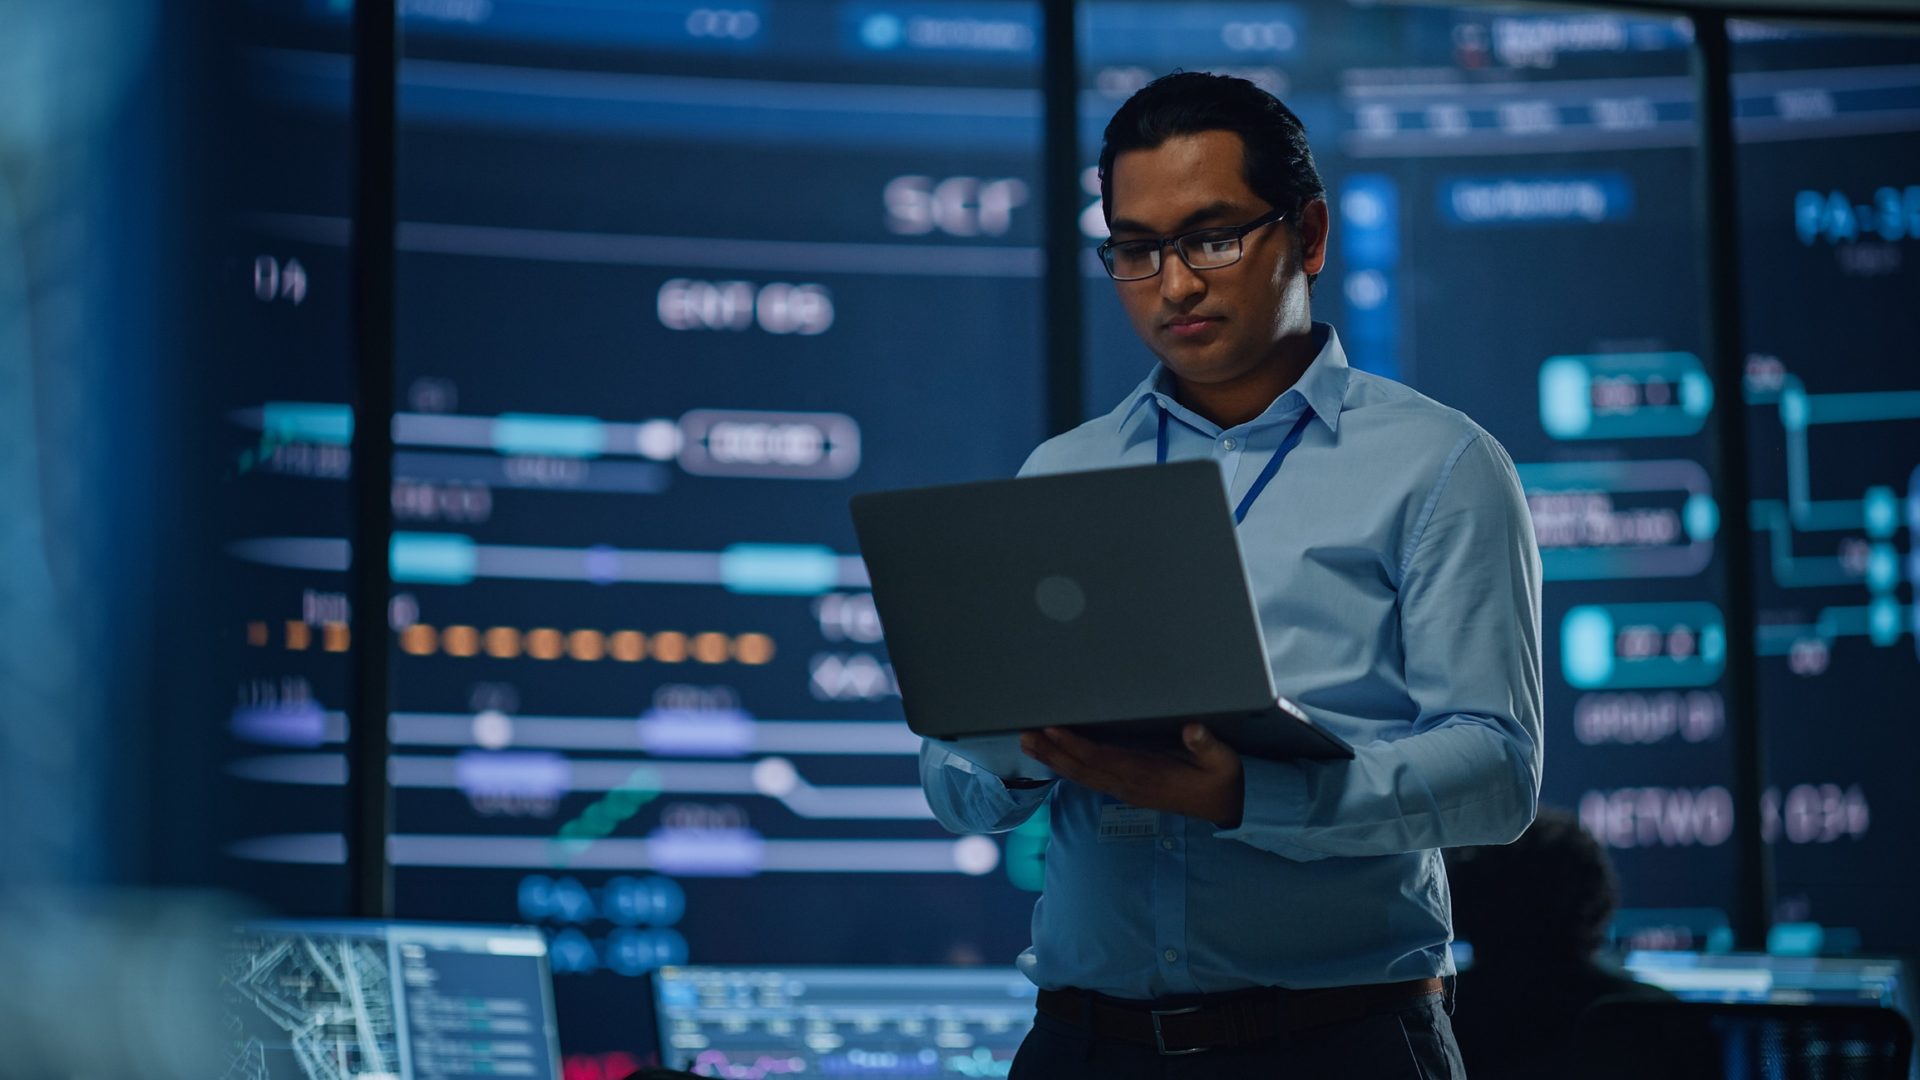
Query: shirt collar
(1323, 385)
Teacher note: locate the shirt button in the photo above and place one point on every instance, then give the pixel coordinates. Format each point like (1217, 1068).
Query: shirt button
(1167, 842)
(1171, 955)
(1228, 443)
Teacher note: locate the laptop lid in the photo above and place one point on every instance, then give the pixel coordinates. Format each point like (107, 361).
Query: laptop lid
(1087, 597)
(389, 1001)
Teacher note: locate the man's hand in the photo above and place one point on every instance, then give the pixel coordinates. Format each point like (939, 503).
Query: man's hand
(1206, 782)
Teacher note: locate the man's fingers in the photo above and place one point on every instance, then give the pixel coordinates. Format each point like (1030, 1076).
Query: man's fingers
(1088, 763)
(1207, 750)
(1153, 779)
(1069, 746)
(1068, 741)
(1041, 749)
(1097, 757)
(1069, 768)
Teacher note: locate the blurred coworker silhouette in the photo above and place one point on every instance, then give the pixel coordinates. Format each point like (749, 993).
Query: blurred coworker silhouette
(1536, 911)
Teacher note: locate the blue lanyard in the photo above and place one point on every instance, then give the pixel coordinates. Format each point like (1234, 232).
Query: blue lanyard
(1266, 475)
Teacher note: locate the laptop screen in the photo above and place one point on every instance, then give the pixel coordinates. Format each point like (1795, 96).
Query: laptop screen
(850, 1021)
(389, 1001)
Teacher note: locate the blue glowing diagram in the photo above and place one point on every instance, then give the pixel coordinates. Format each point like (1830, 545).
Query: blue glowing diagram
(1870, 559)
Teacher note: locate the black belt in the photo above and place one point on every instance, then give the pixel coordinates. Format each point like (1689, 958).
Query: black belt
(1236, 1019)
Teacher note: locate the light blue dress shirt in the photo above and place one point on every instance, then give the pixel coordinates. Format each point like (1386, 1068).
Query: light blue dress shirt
(1393, 563)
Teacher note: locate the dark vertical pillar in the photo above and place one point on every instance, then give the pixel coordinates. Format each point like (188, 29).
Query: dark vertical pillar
(1060, 214)
(1718, 212)
(370, 812)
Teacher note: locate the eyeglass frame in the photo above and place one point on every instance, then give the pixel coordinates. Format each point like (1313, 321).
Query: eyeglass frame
(1106, 248)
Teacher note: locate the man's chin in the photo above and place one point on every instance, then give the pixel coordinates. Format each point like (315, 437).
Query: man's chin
(1197, 364)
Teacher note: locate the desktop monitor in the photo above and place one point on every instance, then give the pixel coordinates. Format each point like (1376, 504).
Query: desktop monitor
(842, 1021)
(1780, 980)
(389, 1001)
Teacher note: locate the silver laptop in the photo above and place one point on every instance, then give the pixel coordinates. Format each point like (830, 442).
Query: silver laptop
(1055, 601)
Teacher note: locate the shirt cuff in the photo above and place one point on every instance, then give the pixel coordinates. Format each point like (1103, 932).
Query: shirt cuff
(1274, 809)
(997, 793)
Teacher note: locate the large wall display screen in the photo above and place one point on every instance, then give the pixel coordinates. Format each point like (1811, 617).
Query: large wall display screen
(1828, 137)
(673, 283)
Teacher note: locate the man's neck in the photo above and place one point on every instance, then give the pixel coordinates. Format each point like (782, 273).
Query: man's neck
(1246, 396)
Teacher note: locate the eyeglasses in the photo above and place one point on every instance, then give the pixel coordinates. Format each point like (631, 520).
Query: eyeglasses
(1201, 249)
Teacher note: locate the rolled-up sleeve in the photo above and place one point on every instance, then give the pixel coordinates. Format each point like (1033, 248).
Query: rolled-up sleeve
(1468, 772)
(967, 799)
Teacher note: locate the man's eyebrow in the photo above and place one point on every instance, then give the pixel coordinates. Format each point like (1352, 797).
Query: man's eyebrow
(1211, 210)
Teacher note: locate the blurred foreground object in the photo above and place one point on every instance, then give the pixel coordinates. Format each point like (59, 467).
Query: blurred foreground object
(93, 982)
(112, 986)
(74, 303)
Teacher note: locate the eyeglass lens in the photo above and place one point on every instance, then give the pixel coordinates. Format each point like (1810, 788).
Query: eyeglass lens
(1200, 250)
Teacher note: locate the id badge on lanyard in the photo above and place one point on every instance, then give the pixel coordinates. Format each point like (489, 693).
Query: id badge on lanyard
(1266, 475)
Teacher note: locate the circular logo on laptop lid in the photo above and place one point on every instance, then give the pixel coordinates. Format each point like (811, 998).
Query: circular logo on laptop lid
(1060, 598)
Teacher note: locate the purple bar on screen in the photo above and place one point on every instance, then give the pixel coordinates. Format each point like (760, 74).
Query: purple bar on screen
(498, 773)
(299, 724)
(696, 732)
(706, 852)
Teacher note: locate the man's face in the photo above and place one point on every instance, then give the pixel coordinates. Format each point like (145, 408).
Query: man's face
(1212, 326)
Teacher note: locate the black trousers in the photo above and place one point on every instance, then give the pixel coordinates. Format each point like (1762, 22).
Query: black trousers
(1411, 1043)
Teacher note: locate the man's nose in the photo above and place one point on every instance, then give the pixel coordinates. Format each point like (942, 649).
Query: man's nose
(1178, 281)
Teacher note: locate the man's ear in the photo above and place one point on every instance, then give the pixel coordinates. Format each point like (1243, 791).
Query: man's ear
(1314, 225)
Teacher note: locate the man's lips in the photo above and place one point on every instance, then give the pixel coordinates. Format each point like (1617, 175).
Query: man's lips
(1186, 325)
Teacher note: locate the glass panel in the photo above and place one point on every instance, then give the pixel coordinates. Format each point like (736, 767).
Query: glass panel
(674, 282)
(1829, 196)
(1513, 235)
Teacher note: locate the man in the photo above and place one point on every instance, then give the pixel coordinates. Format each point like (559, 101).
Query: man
(1270, 915)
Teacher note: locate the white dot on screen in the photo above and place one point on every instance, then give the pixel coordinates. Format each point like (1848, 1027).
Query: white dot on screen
(658, 439)
(492, 729)
(775, 777)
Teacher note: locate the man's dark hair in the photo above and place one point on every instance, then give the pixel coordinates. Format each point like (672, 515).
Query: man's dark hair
(1546, 897)
(1278, 164)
